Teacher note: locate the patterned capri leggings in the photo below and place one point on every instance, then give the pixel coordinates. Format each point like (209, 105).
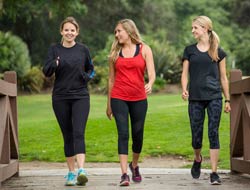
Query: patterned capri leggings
(196, 110)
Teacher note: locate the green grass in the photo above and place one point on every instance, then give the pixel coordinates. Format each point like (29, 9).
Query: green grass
(167, 131)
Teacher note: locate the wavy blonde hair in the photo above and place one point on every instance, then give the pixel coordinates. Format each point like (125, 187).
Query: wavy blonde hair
(130, 27)
(214, 39)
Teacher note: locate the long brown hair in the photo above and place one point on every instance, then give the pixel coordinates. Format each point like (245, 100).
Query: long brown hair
(130, 27)
(214, 39)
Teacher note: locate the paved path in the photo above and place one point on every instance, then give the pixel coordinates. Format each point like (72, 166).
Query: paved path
(108, 178)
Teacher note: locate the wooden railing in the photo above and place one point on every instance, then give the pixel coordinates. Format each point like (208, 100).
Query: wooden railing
(240, 122)
(8, 127)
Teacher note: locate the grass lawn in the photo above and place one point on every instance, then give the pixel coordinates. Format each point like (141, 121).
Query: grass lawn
(167, 131)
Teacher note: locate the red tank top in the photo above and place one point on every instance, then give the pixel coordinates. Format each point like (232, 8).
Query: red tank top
(129, 78)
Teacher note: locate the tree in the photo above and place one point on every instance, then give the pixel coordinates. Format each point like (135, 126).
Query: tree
(37, 22)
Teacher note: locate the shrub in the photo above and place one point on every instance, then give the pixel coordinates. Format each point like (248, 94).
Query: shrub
(14, 54)
(32, 81)
(159, 84)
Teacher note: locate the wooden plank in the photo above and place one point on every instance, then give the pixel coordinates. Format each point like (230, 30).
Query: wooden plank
(246, 135)
(239, 87)
(10, 76)
(8, 89)
(3, 111)
(5, 154)
(9, 170)
(240, 165)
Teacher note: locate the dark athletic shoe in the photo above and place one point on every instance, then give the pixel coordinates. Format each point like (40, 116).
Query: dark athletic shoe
(136, 176)
(124, 180)
(215, 179)
(196, 169)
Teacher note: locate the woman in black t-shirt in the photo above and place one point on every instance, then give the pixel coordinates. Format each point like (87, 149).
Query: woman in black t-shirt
(71, 63)
(204, 67)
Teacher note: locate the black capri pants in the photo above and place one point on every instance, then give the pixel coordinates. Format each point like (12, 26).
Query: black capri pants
(196, 110)
(137, 111)
(72, 115)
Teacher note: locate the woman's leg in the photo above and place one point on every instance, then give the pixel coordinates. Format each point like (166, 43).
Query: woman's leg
(62, 110)
(214, 114)
(137, 111)
(120, 112)
(196, 112)
(80, 112)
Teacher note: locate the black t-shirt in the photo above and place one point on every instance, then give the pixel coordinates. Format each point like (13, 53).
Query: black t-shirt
(204, 75)
(75, 69)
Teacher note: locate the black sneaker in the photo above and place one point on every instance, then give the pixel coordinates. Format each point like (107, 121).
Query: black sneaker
(124, 180)
(136, 176)
(196, 169)
(215, 179)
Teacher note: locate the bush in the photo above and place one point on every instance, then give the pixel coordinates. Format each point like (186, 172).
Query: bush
(159, 84)
(100, 81)
(33, 81)
(14, 55)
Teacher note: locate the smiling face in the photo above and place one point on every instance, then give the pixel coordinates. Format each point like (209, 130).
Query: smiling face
(121, 34)
(69, 32)
(198, 31)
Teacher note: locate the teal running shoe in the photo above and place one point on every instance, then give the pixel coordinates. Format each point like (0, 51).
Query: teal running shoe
(81, 177)
(70, 179)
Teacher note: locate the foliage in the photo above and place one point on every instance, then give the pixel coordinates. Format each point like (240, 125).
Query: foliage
(166, 22)
(242, 50)
(99, 83)
(159, 84)
(167, 64)
(14, 54)
(33, 81)
(37, 22)
(241, 12)
(40, 137)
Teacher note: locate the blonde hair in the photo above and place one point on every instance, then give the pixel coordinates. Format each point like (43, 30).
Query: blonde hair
(71, 20)
(214, 39)
(130, 27)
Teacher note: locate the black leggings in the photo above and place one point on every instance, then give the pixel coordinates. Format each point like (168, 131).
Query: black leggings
(72, 117)
(196, 111)
(137, 111)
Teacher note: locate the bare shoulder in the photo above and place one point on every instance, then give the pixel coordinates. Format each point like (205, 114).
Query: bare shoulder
(146, 50)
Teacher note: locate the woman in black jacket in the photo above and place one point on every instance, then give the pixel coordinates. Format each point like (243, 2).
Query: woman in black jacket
(73, 68)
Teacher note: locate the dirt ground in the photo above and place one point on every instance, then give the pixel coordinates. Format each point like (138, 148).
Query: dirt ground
(155, 162)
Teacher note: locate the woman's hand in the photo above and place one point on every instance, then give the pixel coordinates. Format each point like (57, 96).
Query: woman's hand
(185, 95)
(109, 113)
(227, 107)
(148, 88)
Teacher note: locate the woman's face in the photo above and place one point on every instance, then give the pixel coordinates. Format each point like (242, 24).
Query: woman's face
(69, 32)
(198, 31)
(121, 34)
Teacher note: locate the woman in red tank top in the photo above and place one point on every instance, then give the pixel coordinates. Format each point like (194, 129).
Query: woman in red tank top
(127, 92)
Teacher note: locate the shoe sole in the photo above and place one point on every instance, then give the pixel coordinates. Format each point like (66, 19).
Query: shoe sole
(69, 184)
(82, 180)
(215, 183)
(125, 183)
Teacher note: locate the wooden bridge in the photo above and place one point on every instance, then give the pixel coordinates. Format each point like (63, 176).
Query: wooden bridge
(239, 125)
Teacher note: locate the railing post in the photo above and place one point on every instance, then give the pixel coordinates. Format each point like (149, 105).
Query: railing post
(8, 126)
